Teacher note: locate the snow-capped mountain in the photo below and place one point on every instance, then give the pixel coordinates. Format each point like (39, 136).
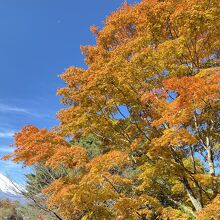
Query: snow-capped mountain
(8, 186)
(9, 189)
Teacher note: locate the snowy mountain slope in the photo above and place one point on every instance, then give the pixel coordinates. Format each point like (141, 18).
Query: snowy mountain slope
(7, 186)
(10, 190)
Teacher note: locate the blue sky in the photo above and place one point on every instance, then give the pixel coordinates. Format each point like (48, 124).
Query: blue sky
(39, 39)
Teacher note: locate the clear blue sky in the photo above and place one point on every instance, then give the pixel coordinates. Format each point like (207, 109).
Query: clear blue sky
(39, 39)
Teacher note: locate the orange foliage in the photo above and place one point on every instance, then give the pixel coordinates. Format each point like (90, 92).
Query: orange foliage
(150, 95)
(211, 211)
(33, 145)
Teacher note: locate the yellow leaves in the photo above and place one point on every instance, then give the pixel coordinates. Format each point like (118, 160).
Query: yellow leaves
(136, 45)
(127, 208)
(211, 211)
(205, 179)
(175, 138)
(153, 177)
(148, 58)
(177, 188)
(149, 200)
(173, 214)
(109, 160)
(171, 50)
(138, 142)
(58, 191)
(118, 180)
(142, 206)
(211, 75)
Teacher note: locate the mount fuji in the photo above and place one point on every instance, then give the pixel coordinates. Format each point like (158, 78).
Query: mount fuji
(10, 190)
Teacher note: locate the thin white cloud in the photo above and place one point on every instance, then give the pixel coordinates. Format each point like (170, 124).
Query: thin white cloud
(6, 134)
(7, 108)
(14, 109)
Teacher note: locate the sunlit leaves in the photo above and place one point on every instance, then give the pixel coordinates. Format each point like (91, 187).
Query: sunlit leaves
(150, 96)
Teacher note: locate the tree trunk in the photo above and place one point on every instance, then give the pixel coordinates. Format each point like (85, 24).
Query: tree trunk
(210, 161)
(196, 203)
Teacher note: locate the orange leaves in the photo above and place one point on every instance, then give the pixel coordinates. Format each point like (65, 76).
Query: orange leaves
(193, 90)
(194, 93)
(137, 48)
(155, 102)
(34, 145)
(109, 160)
(211, 211)
(127, 208)
(97, 186)
(73, 77)
(94, 30)
(134, 208)
(174, 138)
(150, 95)
(69, 157)
(95, 181)
(60, 195)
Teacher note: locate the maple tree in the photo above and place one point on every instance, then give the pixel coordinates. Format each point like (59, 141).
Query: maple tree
(150, 96)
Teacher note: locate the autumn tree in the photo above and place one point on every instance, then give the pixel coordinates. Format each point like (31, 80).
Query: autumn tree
(42, 176)
(150, 95)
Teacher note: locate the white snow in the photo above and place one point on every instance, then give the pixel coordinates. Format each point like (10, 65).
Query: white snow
(8, 186)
